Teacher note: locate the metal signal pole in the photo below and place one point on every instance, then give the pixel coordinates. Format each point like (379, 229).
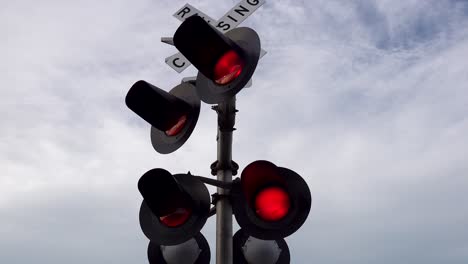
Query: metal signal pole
(226, 119)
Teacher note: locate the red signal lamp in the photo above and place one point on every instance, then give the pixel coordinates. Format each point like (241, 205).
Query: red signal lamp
(228, 68)
(272, 203)
(177, 128)
(176, 218)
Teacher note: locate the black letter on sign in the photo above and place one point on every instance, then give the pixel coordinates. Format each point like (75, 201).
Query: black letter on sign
(178, 65)
(252, 2)
(239, 11)
(223, 26)
(185, 11)
(233, 19)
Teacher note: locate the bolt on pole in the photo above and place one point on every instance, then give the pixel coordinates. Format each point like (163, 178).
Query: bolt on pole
(226, 119)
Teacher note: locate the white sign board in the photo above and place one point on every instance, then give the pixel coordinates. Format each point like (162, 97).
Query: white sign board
(230, 20)
(188, 10)
(238, 14)
(178, 62)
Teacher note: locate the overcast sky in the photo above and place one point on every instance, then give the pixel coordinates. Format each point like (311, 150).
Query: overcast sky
(367, 100)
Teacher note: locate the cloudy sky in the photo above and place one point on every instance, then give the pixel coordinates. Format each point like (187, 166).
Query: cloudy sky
(366, 99)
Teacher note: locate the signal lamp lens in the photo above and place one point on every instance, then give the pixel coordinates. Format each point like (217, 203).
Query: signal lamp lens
(174, 130)
(176, 218)
(228, 68)
(272, 204)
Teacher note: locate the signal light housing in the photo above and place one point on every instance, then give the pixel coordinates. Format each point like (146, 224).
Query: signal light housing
(249, 250)
(195, 249)
(175, 207)
(225, 62)
(172, 115)
(270, 202)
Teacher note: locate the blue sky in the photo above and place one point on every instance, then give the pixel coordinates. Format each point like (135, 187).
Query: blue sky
(366, 99)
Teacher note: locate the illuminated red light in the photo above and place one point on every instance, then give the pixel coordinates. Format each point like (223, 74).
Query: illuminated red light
(272, 204)
(228, 68)
(177, 127)
(176, 218)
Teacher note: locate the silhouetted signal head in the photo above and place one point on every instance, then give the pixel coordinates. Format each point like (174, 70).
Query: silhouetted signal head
(270, 202)
(250, 250)
(172, 115)
(175, 207)
(225, 62)
(195, 251)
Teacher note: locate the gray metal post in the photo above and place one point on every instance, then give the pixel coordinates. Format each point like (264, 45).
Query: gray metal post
(226, 119)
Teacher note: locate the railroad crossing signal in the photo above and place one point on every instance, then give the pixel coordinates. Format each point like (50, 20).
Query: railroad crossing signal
(225, 62)
(268, 202)
(174, 210)
(172, 115)
(229, 21)
(175, 207)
